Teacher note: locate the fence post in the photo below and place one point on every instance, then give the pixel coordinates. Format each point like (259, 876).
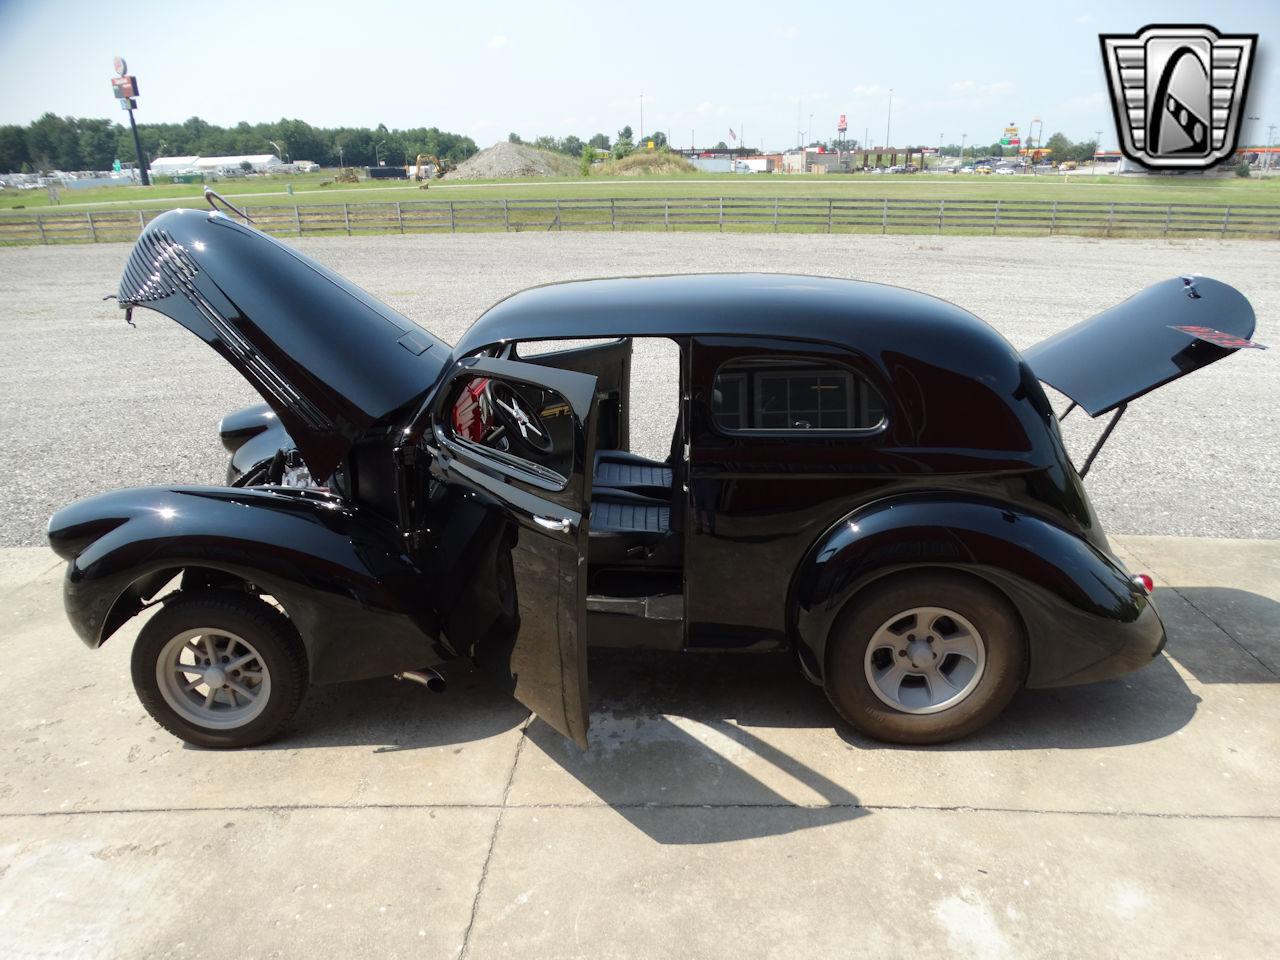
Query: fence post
(92, 229)
(40, 226)
(142, 223)
(297, 219)
(884, 216)
(399, 217)
(1053, 218)
(942, 204)
(722, 214)
(828, 216)
(995, 219)
(1168, 211)
(559, 225)
(1111, 216)
(346, 218)
(506, 216)
(666, 213)
(453, 224)
(1225, 218)
(613, 215)
(775, 214)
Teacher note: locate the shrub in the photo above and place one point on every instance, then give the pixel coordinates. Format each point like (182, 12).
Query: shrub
(1242, 169)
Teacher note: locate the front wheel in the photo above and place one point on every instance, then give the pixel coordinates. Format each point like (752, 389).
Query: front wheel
(219, 669)
(925, 658)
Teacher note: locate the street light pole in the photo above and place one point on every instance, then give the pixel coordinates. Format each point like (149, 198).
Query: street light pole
(963, 138)
(377, 157)
(1097, 145)
(641, 118)
(888, 119)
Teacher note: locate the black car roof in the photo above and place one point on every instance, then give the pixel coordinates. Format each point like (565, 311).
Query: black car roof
(868, 316)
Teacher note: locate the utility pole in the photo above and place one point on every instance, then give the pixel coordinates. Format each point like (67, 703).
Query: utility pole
(1266, 161)
(641, 118)
(963, 138)
(1097, 145)
(888, 119)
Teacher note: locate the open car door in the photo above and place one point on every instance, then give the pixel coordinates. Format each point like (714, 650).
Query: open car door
(506, 528)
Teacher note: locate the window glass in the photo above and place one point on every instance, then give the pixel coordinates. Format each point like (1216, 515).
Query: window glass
(518, 423)
(785, 393)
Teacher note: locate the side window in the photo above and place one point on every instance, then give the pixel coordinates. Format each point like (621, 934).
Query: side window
(790, 394)
(517, 424)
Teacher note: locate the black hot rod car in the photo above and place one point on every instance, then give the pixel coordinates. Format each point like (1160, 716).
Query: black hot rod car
(868, 477)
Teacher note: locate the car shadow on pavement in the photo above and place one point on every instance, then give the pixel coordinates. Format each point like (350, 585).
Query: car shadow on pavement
(1222, 634)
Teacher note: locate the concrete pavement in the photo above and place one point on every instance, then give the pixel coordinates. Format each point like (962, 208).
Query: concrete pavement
(718, 813)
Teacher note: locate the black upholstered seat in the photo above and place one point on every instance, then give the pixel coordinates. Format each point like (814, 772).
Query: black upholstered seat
(630, 529)
(621, 470)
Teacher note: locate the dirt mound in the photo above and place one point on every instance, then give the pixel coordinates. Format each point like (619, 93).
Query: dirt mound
(647, 164)
(505, 160)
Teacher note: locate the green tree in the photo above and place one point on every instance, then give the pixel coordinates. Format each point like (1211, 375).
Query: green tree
(585, 159)
(571, 145)
(13, 148)
(600, 142)
(514, 138)
(624, 145)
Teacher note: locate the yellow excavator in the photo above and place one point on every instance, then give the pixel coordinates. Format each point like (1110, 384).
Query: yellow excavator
(429, 167)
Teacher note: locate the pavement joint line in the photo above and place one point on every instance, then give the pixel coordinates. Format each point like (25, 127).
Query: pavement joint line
(465, 949)
(641, 805)
(1204, 613)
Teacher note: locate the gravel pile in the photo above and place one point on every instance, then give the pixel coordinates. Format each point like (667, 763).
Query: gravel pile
(505, 160)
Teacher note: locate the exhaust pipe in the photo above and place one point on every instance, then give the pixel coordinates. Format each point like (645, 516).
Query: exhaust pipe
(427, 677)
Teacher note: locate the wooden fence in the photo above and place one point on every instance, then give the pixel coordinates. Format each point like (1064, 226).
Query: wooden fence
(769, 214)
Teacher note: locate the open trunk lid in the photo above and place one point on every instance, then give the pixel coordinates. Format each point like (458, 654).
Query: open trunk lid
(329, 359)
(1166, 331)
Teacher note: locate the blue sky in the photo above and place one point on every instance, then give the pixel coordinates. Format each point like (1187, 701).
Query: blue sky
(487, 69)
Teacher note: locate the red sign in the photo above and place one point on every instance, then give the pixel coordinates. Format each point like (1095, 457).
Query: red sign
(843, 125)
(125, 88)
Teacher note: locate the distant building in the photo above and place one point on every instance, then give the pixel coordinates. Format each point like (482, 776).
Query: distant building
(169, 166)
(226, 166)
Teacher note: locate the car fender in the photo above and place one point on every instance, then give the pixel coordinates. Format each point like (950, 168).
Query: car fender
(253, 436)
(360, 605)
(1079, 607)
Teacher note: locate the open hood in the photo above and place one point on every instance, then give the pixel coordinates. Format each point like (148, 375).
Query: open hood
(1170, 329)
(329, 359)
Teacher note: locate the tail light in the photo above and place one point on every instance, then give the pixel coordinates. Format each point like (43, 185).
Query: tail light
(1145, 582)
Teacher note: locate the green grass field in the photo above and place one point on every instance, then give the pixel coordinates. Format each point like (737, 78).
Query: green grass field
(267, 191)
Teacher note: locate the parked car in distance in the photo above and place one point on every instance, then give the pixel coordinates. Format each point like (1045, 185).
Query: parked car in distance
(866, 478)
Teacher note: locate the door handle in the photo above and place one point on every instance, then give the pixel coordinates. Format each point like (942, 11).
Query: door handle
(554, 523)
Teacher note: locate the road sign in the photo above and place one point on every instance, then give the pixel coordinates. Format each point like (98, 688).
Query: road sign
(843, 125)
(124, 87)
(121, 67)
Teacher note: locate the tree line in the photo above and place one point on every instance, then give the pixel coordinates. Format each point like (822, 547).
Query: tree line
(572, 146)
(90, 143)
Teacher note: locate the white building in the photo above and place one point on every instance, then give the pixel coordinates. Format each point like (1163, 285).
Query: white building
(258, 163)
(170, 166)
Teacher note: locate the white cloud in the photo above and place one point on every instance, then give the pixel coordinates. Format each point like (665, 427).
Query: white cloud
(959, 87)
(870, 90)
(789, 32)
(498, 41)
(1083, 18)
(703, 107)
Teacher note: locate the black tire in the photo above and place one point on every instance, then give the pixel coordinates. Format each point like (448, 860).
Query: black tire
(851, 693)
(268, 631)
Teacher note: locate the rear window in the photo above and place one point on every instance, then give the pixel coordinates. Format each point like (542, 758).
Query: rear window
(785, 394)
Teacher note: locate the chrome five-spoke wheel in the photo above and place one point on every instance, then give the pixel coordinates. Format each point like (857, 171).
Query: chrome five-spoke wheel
(925, 659)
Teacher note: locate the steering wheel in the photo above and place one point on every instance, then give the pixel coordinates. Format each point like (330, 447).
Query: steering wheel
(522, 423)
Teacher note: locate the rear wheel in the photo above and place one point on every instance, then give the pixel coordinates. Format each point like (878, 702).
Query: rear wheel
(219, 669)
(925, 658)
